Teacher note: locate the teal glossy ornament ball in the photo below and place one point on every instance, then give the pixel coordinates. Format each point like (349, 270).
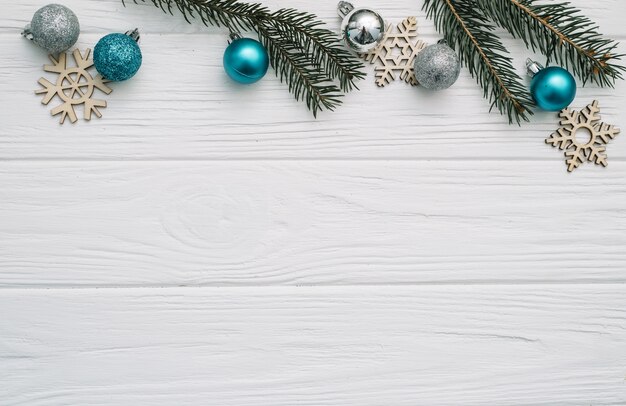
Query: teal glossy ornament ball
(553, 88)
(117, 57)
(246, 60)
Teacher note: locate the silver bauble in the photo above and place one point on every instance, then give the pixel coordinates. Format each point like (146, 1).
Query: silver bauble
(54, 27)
(362, 29)
(437, 67)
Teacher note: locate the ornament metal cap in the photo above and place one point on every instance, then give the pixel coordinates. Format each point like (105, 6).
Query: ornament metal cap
(27, 33)
(532, 67)
(134, 34)
(233, 36)
(344, 8)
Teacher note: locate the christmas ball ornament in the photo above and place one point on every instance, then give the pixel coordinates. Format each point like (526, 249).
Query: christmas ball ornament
(54, 27)
(117, 56)
(437, 67)
(245, 60)
(553, 88)
(362, 29)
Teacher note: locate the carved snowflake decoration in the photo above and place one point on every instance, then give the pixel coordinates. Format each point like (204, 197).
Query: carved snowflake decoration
(571, 139)
(74, 86)
(396, 54)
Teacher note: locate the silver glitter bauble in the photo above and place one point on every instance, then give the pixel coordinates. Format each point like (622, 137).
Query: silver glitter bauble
(437, 67)
(54, 27)
(362, 29)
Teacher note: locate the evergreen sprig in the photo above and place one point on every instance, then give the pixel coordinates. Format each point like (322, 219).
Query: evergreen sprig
(561, 33)
(557, 30)
(483, 53)
(309, 58)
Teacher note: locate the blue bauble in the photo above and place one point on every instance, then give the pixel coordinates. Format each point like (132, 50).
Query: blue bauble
(117, 57)
(246, 60)
(553, 88)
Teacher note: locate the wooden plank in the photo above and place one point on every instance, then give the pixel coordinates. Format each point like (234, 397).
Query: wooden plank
(314, 222)
(504, 345)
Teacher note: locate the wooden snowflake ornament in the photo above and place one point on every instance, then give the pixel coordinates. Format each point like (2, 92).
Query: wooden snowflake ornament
(583, 136)
(396, 54)
(74, 86)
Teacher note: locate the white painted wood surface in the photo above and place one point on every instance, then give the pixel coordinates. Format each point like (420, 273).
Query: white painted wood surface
(432, 345)
(205, 243)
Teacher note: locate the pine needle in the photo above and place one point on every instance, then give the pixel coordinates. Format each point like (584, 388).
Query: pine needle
(309, 58)
(470, 33)
(563, 34)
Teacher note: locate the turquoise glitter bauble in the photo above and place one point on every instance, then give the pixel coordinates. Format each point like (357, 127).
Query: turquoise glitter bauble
(553, 88)
(117, 57)
(246, 60)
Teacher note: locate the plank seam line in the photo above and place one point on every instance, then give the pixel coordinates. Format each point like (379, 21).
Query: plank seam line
(616, 282)
(292, 159)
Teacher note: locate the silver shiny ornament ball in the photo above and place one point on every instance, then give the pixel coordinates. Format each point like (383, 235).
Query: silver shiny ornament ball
(362, 29)
(437, 67)
(54, 27)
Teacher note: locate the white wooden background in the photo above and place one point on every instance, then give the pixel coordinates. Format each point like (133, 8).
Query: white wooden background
(210, 244)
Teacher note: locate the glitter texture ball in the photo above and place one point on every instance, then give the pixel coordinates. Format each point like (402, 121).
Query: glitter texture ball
(54, 27)
(437, 67)
(117, 57)
(553, 88)
(246, 60)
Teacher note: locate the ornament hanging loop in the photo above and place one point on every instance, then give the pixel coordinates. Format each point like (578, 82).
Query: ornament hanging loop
(233, 36)
(532, 67)
(134, 34)
(344, 8)
(27, 33)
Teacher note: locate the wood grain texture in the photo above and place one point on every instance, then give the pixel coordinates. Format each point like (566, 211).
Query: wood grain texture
(500, 345)
(448, 259)
(320, 222)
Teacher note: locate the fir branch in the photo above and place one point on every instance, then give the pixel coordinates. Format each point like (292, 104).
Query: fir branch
(562, 34)
(469, 32)
(321, 44)
(309, 58)
(292, 66)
